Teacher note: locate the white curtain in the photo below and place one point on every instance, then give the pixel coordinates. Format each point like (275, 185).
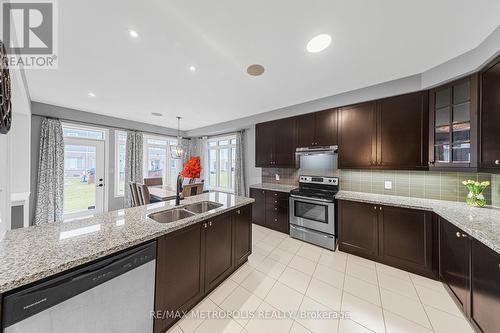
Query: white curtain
(240, 184)
(50, 188)
(133, 162)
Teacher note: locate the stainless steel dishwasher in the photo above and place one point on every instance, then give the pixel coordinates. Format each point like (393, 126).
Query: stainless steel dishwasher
(111, 295)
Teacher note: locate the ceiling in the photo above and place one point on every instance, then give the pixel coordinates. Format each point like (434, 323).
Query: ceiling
(373, 41)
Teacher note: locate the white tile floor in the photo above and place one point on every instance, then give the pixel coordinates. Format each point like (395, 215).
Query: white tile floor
(284, 274)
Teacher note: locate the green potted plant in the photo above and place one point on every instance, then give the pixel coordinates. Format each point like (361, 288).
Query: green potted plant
(475, 198)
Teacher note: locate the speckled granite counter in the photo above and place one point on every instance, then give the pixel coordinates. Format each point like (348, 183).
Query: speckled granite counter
(274, 187)
(31, 254)
(480, 223)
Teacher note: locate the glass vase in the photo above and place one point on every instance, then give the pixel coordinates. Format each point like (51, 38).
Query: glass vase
(475, 199)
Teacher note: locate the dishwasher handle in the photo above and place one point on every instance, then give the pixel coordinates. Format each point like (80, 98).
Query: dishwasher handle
(29, 301)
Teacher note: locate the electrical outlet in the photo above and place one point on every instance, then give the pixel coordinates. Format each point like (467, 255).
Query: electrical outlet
(388, 185)
(277, 176)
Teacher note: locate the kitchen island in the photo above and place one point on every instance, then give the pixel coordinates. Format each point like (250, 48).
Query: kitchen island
(36, 253)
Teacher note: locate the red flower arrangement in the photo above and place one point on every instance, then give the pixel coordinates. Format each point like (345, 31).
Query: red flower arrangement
(192, 168)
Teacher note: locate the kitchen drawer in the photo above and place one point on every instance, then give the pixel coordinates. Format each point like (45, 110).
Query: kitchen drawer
(272, 196)
(277, 220)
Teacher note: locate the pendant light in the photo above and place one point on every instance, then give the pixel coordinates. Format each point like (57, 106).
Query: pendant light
(176, 151)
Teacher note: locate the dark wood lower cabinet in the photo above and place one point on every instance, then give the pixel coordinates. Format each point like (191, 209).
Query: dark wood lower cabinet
(271, 209)
(258, 207)
(242, 235)
(454, 262)
(405, 239)
(485, 288)
(395, 236)
(358, 228)
(192, 261)
(218, 250)
(179, 273)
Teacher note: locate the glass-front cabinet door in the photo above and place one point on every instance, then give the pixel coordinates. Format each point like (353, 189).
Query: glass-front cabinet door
(453, 125)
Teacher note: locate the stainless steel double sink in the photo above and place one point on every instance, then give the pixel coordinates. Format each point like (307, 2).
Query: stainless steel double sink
(176, 214)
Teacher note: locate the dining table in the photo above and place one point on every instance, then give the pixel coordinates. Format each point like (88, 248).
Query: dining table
(162, 192)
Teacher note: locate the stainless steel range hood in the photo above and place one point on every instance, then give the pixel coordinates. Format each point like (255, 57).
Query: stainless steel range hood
(317, 159)
(316, 150)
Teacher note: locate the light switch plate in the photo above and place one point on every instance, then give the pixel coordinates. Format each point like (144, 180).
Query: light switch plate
(277, 176)
(388, 185)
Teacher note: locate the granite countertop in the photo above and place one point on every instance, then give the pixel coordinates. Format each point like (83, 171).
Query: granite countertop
(274, 187)
(480, 223)
(34, 253)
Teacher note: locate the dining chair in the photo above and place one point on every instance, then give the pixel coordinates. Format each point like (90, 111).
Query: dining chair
(143, 192)
(192, 189)
(135, 195)
(153, 181)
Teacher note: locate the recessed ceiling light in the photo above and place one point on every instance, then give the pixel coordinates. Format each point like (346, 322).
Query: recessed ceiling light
(157, 114)
(91, 94)
(319, 43)
(255, 70)
(192, 68)
(133, 33)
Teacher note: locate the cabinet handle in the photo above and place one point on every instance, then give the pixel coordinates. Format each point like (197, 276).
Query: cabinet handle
(464, 236)
(497, 162)
(275, 194)
(380, 208)
(204, 225)
(210, 223)
(238, 212)
(275, 220)
(458, 234)
(275, 208)
(375, 207)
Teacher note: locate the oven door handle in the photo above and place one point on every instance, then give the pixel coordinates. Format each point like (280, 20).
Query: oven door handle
(311, 199)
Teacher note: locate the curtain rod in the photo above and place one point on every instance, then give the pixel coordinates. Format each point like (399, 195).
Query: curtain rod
(104, 126)
(222, 134)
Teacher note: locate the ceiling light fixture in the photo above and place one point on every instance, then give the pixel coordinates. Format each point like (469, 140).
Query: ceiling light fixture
(255, 70)
(91, 94)
(133, 33)
(176, 151)
(192, 68)
(319, 43)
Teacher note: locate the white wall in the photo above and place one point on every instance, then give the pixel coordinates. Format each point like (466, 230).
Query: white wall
(4, 185)
(20, 146)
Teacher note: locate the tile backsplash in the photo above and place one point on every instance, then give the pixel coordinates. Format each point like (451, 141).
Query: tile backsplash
(420, 184)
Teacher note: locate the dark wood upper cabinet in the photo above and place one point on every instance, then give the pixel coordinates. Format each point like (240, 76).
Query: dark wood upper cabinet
(218, 250)
(264, 144)
(306, 132)
(358, 228)
(242, 234)
(285, 138)
(406, 239)
(454, 261)
(275, 143)
(357, 136)
(402, 136)
(326, 128)
(317, 129)
(179, 273)
(485, 288)
(453, 124)
(490, 118)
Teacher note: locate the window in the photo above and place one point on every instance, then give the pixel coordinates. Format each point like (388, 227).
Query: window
(70, 131)
(222, 163)
(158, 161)
(120, 149)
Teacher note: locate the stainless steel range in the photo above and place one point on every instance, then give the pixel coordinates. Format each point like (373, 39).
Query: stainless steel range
(312, 210)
